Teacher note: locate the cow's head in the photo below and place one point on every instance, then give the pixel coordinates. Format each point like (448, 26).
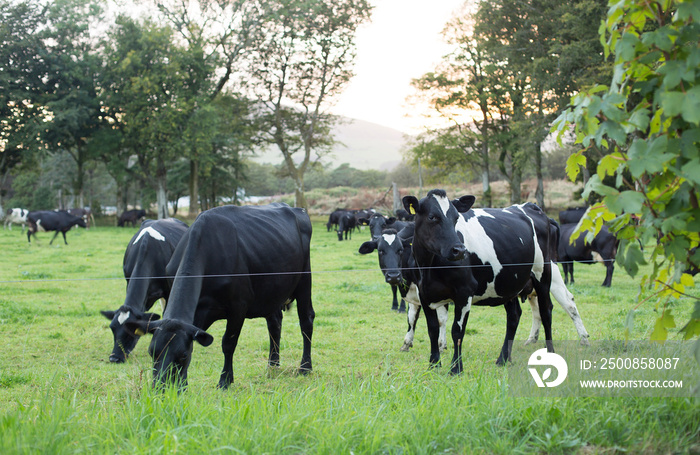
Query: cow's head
(435, 222)
(125, 340)
(377, 223)
(390, 249)
(170, 348)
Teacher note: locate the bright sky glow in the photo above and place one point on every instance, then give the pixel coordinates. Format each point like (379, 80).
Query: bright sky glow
(402, 43)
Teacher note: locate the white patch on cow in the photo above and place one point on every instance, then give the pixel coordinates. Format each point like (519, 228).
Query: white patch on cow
(39, 227)
(538, 262)
(436, 305)
(413, 299)
(463, 315)
(442, 321)
(152, 232)
(478, 242)
(443, 202)
(123, 316)
(389, 238)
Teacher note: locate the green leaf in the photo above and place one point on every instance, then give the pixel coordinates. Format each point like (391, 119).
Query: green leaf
(609, 164)
(625, 202)
(574, 164)
(663, 323)
(672, 103)
(629, 324)
(690, 108)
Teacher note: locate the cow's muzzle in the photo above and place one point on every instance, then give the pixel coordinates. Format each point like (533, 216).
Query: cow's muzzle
(456, 253)
(393, 277)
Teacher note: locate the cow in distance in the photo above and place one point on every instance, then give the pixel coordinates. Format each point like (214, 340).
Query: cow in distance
(59, 221)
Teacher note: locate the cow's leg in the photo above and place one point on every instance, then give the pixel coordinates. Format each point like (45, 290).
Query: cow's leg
(609, 266)
(566, 300)
(459, 326)
(536, 320)
(395, 300)
(542, 288)
(228, 345)
(56, 235)
(431, 319)
(412, 316)
(513, 313)
(64, 237)
(402, 306)
(306, 313)
(274, 328)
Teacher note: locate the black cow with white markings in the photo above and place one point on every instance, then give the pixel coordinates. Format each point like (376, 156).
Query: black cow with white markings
(604, 243)
(493, 254)
(234, 263)
(59, 221)
(145, 260)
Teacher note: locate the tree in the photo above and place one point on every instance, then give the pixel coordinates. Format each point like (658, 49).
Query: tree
(147, 78)
(304, 61)
(217, 37)
(649, 119)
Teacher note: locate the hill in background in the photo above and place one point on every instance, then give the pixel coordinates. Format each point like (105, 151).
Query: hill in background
(363, 145)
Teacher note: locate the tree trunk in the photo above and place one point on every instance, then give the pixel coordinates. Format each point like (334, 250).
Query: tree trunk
(539, 192)
(162, 190)
(515, 185)
(194, 187)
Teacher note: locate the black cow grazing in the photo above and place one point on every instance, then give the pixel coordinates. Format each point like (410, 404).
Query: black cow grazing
(333, 219)
(493, 254)
(234, 263)
(346, 223)
(49, 220)
(604, 243)
(572, 215)
(16, 216)
(145, 259)
(131, 216)
(403, 215)
(85, 214)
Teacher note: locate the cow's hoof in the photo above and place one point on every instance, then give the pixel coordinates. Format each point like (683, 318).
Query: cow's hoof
(406, 347)
(530, 341)
(584, 341)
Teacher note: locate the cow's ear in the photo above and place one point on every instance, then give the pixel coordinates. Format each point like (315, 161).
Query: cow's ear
(203, 338)
(464, 203)
(407, 243)
(391, 220)
(367, 247)
(410, 203)
(151, 316)
(108, 314)
(363, 221)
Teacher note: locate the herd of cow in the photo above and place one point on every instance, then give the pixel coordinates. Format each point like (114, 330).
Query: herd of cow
(442, 252)
(436, 252)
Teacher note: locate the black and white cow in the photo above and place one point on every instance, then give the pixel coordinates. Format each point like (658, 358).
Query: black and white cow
(604, 243)
(131, 216)
(16, 216)
(403, 215)
(145, 259)
(492, 254)
(234, 263)
(399, 268)
(346, 224)
(49, 220)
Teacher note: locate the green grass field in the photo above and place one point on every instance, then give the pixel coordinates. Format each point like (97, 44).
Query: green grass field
(60, 394)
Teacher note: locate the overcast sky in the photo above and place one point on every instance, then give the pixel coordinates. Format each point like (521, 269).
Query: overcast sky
(402, 42)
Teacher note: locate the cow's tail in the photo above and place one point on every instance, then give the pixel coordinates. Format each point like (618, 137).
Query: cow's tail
(554, 233)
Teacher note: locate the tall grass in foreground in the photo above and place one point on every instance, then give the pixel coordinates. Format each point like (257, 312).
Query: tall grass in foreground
(59, 394)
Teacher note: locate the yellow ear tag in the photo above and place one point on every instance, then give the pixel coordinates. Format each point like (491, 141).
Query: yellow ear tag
(412, 211)
(139, 332)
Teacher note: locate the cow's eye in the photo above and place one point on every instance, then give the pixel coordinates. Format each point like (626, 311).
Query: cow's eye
(433, 218)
